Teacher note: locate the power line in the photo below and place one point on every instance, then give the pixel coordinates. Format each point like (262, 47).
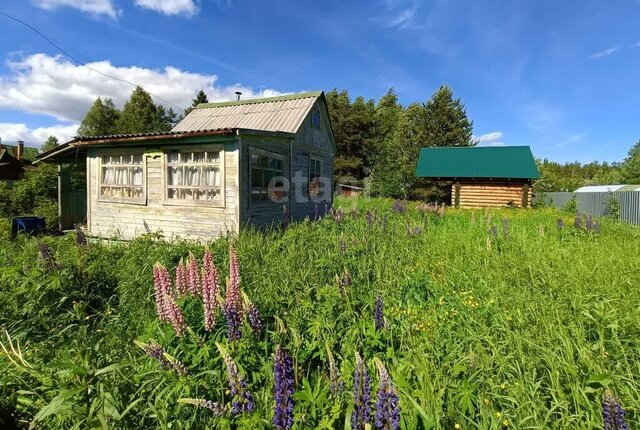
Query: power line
(81, 63)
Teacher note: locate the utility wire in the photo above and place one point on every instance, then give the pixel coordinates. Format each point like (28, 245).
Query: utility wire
(72, 58)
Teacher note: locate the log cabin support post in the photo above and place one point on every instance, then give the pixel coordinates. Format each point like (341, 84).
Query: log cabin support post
(525, 195)
(456, 194)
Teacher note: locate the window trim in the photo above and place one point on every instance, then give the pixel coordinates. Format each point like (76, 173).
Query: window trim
(268, 203)
(314, 157)
(142, 201)
(184, 202)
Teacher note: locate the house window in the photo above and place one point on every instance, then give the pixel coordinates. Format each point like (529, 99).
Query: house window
(267, 177)
(122, 177)
(194, 176)
(315, 176)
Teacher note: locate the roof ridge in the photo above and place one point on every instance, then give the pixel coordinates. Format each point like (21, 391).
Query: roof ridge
(292, 96)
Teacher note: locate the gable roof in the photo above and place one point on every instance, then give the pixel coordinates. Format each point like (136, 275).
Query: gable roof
(278, 114)
(500, 162)
(29, 153)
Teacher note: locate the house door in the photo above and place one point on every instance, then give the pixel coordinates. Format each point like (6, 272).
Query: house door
(72, 195)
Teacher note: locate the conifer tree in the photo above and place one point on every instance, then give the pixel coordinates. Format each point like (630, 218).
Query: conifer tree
(100, 119)
(446, 122)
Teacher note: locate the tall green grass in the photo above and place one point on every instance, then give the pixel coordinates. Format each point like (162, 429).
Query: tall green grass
(523, 330)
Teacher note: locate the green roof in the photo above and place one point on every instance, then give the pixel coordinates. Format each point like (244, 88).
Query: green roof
(499, 162)
(261, 100)
(30, 153)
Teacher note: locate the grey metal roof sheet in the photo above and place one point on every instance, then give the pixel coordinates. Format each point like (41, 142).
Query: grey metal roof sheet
(284, 114)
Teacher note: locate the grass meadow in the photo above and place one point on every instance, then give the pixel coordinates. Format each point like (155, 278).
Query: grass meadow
(492, 319)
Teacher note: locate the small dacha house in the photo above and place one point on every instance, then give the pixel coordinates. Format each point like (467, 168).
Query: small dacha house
(13, 159)
(491, 176)
(224, 166)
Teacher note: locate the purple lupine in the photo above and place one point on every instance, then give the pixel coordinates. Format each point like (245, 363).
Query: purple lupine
(378, 314)
(217, 409)
(326, 209)
(182, 278)
(335, 384)
(81, 239)
(174, 314)
(494, 231)
(387, 409)
(596, 226)
(316, 213)
(369, 218)
(210, 287)
(578, 222)
(242, 399)
(505, 227)
(283, 390)
(285, 217)
(588, 222)
(233, 305)
(361, 415)
(162, 288)
(193, 276)
(399, 206)
(46, 256)
(560, 224)
(166, 361)
(255, 321)
(613, 413)
(344, 281)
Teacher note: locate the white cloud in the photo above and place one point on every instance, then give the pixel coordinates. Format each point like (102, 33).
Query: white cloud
(12, 132)
(398, 14)
(170, 7)
(402, 19)
(53, 86)
(94, 7)
(604, 53)
(490, 139)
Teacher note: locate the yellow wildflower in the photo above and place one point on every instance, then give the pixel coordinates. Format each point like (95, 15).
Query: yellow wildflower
(505, 423)
(498, 414)
(457, 426)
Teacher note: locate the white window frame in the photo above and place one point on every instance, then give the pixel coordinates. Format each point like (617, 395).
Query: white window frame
(186, 202)
(257, 151)
(131, 201)
(314, 157)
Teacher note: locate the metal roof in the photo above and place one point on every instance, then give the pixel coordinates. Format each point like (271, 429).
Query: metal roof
(30, 153)
(283, 114)
(150, 134)
(499, 162)
(606, 188)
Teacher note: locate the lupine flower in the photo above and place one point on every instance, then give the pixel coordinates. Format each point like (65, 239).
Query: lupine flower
(354, 214)
(210, 287)
(285, 217)
(596, 226)
(505, 227)
(326, 209)
(166, 361)
(233, 305)
(384, 223)
(174, 314)
(242, 399)
(182, 278)
(255, 321)
(46, 256)
(399, 206)
(338, 215)
(344, 281)
(578, 222)
(162, 288)
(195, 283)
(283, 390)
(217, 409)
(494, 231)
(316, 213)
(613, 413)
(335, 384)
(387, 415)
(361, 415)
(379, 313)
(81, 239)
(560, 224)
(588, 222)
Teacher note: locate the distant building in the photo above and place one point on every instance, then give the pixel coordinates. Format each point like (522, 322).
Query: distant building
(224, 166)
(607, 188)
(486, 176)
(13, 158)
(348, 190)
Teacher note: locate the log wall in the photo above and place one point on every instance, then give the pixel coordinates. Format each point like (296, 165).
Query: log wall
(490, 194)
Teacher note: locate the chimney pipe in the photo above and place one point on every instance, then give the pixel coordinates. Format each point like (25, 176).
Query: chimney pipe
(20, 150)
(238, 94)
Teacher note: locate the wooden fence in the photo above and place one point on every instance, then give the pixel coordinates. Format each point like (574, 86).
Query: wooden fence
(596, 203)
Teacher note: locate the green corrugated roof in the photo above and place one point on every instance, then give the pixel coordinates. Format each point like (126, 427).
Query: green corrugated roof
(30, 153)
(261, 100)
(498, 162)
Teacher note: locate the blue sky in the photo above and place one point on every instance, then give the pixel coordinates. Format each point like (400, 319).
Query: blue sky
(563, 77)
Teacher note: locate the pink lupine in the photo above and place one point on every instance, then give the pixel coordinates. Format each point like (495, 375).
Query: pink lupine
(195, 284)
(174, 314)
(182, 279)
(210, 287)
(161, 285)
(233, 288)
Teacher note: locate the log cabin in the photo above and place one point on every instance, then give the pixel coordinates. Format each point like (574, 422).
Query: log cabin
(488, 176)
(226, 165)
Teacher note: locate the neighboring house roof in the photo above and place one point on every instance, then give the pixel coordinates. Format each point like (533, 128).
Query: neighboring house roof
(283, 113)
(29, 153)
(498, 162)
(606, 188)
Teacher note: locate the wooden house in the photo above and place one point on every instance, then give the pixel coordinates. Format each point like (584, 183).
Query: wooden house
(224, 166)
(348, 190)
(13, 158)
(488, 176)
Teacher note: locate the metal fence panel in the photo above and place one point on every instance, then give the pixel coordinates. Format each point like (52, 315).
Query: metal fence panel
(595, 203)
